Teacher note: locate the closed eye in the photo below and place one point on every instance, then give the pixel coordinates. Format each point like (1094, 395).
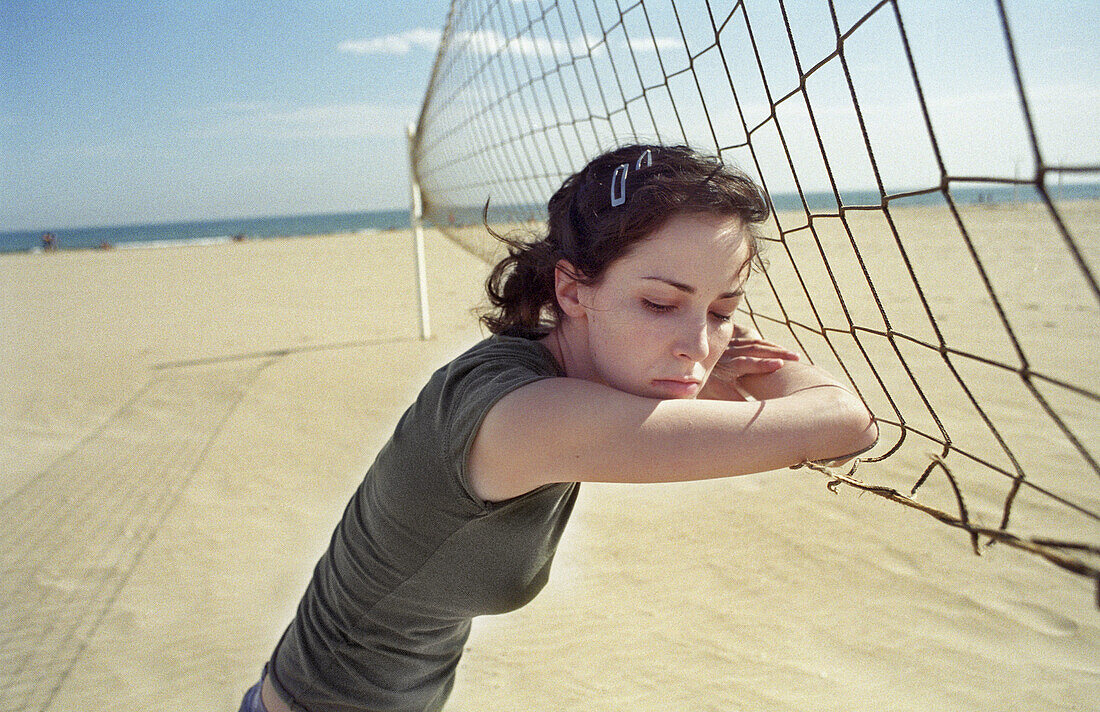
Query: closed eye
(655, 307)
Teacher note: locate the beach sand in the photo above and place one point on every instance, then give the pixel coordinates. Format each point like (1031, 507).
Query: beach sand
(181, 428)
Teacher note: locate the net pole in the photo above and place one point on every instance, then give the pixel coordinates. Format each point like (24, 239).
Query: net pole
(416, 222)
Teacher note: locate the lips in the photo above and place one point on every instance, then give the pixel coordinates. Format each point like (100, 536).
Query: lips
(678, 387)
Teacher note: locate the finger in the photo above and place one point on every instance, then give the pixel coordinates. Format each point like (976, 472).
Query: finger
(757, 350)
(747, 343)
(745, 365)
(745, 332)
(769, 350)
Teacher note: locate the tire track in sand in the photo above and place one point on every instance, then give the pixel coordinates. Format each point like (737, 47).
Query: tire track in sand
(72, 536)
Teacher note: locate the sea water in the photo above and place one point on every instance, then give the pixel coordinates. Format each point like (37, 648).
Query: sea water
(372, 221)
(829, 203)
(201, 232)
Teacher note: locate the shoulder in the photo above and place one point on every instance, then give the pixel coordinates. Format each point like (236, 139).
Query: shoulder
(455, 401)
(501, 352)
(490, 369)
(552, 430)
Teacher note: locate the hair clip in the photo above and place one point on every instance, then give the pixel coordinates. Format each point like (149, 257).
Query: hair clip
(618, 178)
(618, 185)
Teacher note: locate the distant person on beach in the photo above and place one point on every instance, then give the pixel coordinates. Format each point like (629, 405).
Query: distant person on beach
(49, 241)
(614, 357)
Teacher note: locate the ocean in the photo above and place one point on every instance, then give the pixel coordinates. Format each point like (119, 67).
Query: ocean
(373, 221)
(962, 193)
(205, 231)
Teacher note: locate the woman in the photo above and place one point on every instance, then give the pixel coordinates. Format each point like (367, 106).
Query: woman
(614, 358)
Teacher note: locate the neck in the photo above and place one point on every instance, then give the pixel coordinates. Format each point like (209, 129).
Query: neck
(568, 342)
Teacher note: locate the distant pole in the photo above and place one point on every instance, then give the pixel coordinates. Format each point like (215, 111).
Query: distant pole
(416, 215)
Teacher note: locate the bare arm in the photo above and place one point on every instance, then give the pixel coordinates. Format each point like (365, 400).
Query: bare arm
(793, 378)
(753, 368)
(571, 430)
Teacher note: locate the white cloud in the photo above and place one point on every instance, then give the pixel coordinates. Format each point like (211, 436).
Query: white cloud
(401, 43)
(487, 42)
(651, 44)
(490, 42)
(324, 121)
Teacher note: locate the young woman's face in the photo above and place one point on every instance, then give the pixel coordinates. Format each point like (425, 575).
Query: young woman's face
(660, 316)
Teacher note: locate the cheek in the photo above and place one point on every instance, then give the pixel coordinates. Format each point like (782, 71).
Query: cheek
(626, 343)
(618, 318)
(719, 341)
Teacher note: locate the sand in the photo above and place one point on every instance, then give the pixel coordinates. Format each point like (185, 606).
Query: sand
(181, 428)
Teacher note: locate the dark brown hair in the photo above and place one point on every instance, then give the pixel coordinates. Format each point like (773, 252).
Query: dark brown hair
(600, 213)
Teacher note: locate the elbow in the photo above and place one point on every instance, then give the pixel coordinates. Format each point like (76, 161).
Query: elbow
(861, 426)
(853, 430)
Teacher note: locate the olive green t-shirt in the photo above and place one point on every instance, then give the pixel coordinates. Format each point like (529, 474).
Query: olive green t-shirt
(417, 554)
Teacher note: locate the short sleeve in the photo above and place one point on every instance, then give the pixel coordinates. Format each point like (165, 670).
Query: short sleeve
(475, 382)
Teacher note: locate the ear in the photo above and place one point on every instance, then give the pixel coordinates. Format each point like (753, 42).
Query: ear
(567, 289)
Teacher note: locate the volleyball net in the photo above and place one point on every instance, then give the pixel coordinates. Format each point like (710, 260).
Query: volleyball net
(935, 233)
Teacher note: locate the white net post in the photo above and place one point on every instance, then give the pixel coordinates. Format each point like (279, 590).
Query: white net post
(416, 215)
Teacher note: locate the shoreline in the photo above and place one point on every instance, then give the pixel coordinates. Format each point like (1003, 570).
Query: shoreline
(213, 241)
(1073, 203)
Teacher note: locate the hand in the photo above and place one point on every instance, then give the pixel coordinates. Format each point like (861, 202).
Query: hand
(747, 354)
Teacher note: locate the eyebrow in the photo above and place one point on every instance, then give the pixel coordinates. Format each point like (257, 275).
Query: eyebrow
(688, 289)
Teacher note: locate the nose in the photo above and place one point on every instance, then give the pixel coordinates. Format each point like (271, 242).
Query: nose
(693, 340)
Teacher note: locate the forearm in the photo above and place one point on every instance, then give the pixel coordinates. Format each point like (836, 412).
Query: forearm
(793, 377)
(813, 387)
(817, 423)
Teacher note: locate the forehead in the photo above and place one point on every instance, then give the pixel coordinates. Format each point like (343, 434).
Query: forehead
(691, 249)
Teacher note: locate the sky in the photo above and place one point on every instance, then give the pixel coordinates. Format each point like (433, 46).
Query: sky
(119, 112)
(131, 112)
